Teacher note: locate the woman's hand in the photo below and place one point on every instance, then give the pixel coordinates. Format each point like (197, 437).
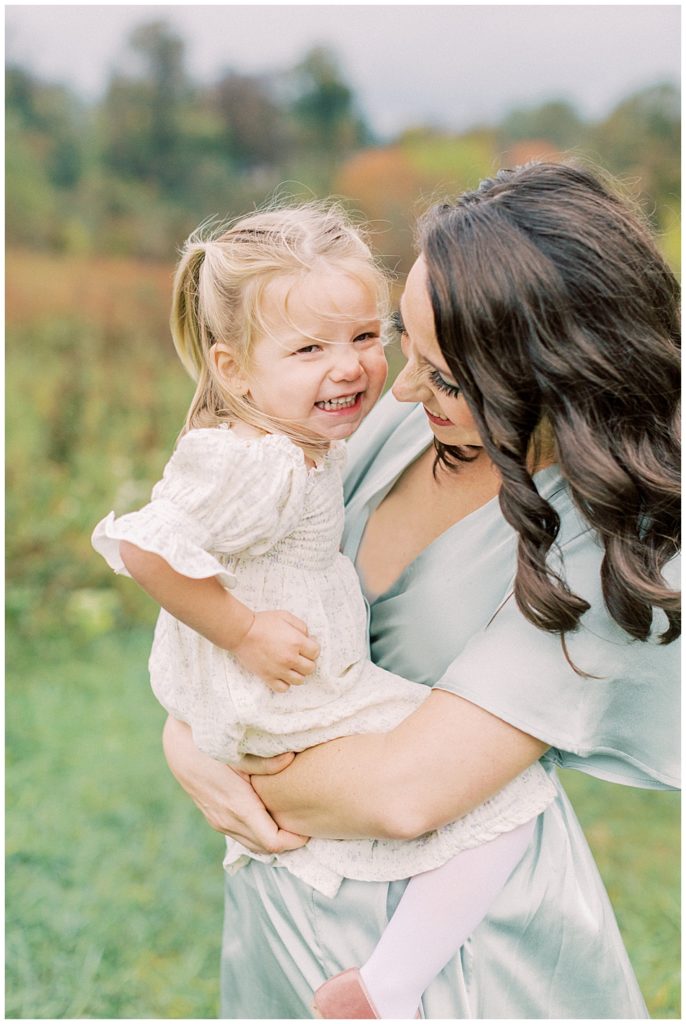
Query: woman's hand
(224, 795)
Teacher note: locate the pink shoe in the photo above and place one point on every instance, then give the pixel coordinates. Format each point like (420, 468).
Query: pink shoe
(344, 997)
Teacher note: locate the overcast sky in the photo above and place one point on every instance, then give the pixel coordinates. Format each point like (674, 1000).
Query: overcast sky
(449, 65)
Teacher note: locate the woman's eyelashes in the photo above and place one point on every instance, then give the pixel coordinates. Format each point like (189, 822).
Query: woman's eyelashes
(396, 322)
(442, 385)
(435, 377)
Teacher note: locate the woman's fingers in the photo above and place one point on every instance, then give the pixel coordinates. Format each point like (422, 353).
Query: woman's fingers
(264, 836)
(253, 765)
(288, 841)
(224, 794)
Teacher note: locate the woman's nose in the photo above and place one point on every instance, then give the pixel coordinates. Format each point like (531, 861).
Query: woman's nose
(408, 386)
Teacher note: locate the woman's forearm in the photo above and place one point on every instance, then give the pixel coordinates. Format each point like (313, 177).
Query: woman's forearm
(337, 787)
(438, 764)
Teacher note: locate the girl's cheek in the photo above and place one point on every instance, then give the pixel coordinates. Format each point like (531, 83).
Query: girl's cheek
(377, 369)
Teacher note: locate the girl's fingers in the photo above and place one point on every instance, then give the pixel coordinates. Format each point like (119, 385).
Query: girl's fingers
(294, 621)
(309, 648)
(304, 666)
(296, 678)
(279, 685)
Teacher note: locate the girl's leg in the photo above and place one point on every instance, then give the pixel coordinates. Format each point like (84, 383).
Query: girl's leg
(437, 913)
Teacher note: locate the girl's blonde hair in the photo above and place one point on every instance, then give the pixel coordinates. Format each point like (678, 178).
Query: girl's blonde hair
(219, 288)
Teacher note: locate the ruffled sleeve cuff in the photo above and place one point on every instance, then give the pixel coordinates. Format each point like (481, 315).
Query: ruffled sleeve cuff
(165, 531)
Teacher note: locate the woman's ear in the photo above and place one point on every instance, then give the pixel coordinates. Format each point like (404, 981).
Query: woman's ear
(227, 369)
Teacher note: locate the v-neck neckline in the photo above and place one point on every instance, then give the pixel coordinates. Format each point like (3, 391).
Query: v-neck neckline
(369, 506)
(426, 552)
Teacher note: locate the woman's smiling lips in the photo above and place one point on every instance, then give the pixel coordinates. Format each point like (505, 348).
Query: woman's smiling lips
(437, 419)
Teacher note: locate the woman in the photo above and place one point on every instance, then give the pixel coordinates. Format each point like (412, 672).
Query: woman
(540, 329)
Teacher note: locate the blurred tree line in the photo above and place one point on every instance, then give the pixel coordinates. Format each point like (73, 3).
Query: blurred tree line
(137, 170)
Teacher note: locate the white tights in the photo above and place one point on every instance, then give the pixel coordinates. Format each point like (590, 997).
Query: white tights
(438, 911)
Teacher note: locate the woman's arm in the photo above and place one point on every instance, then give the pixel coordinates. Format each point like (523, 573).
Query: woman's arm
(274, 645)
(444, 759)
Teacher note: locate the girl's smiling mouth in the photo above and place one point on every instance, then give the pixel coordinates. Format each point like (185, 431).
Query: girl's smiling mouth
(343, 404)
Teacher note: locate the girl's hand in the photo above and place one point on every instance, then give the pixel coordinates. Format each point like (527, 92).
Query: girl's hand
(278, 649)
(224, 795)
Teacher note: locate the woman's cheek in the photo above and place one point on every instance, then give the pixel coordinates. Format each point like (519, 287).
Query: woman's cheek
(458, 411)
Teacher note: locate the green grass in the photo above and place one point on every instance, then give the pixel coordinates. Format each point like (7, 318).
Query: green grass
(635, 838)
(114, 882)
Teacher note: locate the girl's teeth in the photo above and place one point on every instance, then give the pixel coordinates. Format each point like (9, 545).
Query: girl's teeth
(337, 403)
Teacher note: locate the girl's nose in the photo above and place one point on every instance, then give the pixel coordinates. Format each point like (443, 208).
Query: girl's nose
(408, 385)
(346, 363)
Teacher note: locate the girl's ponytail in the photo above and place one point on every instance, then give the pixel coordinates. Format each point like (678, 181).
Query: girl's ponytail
(185, 321)
(193, 337)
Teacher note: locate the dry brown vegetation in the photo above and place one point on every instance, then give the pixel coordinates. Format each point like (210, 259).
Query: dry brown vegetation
(116, 294)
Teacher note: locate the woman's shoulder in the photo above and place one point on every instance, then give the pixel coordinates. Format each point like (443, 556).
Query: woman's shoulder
(607, 703)
(393, 430)
(387, 415)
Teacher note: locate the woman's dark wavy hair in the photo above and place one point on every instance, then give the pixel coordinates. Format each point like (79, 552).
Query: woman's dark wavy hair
(556, 313)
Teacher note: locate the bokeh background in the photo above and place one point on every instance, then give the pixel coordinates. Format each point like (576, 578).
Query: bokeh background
(126, 127)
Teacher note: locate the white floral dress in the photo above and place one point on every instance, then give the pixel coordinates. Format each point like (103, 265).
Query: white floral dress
(251, 514)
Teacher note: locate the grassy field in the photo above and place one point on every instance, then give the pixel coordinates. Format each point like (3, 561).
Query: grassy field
(114, 882)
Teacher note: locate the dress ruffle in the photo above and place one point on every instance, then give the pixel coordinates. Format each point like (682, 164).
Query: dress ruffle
(150, 530)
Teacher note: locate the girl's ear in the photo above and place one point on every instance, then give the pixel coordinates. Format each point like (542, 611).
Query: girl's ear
(227, 369)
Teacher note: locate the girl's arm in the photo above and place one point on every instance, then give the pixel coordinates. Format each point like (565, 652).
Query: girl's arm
(273, 645)
(443, 760)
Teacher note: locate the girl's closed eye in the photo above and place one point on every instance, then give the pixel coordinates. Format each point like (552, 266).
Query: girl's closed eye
(307, 350)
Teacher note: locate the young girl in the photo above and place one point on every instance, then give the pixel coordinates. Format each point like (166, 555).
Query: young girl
(261, 644)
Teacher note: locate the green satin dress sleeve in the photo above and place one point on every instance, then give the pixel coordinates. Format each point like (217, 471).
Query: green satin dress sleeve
(550, 946)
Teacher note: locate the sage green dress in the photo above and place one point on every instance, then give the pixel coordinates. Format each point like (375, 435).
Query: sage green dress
(549, 947)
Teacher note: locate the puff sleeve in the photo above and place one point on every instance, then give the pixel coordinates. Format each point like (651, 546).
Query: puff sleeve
(219, 495)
